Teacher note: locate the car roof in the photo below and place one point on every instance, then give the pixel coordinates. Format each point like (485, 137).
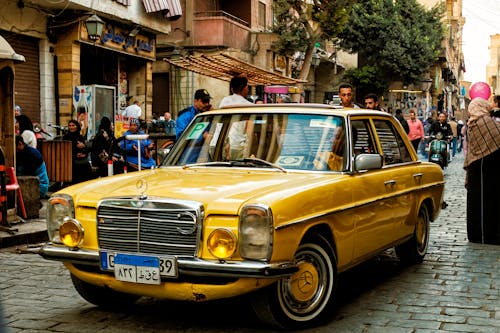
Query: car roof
(304, 108)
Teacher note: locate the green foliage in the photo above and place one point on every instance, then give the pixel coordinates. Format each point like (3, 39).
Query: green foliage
(300, 24)
(400, 38)
(367, 76)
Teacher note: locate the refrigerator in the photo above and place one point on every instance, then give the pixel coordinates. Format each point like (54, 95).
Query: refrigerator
(90, 104)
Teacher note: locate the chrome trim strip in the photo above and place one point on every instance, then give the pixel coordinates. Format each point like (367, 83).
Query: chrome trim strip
(197, 267)
(338, 210)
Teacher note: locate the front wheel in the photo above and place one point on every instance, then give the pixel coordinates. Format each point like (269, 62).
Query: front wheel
(414, 250)
(101, 296)
(305, 298)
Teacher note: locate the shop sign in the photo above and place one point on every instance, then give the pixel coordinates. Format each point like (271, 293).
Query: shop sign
(118, 39)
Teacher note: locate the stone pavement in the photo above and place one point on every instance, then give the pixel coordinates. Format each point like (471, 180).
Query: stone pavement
(30, 231)
(455, 289)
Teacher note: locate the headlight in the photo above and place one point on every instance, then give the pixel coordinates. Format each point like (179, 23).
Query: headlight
(222, 243)
(60, 208)
(71, 233)
(256, 232)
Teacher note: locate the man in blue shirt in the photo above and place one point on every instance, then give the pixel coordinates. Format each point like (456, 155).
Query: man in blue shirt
(201, 103)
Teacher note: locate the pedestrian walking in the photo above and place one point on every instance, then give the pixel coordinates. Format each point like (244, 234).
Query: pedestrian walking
(460, 125)
(482, 163)
(416, 130)
(237, 136)
(201, 103)
(454, 132)
(399, 116)
(372, 102)
(347, 96)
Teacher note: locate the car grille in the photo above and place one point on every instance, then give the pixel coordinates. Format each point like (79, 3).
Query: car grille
(152, 226)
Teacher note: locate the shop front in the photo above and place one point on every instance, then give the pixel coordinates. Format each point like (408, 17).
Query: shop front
(114, 70)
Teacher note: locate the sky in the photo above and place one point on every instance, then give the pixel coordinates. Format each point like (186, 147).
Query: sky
(482, 19)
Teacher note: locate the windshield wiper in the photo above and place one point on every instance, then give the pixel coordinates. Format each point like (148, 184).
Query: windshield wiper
(248, 161)
(216, 163)
(252, 161)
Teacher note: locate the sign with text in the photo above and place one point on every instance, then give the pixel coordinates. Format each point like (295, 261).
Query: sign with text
(119, 39)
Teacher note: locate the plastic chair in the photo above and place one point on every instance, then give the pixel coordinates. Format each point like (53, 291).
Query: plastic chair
(13, 185)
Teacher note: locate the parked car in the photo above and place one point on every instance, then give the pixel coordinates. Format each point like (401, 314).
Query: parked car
(273, 201)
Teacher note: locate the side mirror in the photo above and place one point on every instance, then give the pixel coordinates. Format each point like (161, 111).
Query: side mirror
(368, 162)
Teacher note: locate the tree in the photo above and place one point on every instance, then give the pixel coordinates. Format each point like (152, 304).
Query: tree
(396, 40)
(300, 24)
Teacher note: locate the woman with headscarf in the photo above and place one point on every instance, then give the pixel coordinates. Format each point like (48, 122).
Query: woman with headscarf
(81, 164)
(104, 147)
(25, 127)
(482, 162)
(131, 147)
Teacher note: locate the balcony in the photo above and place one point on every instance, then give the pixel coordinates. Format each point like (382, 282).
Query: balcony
(219, 28)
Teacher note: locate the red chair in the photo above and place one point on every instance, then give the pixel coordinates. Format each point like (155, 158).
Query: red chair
(14, 186)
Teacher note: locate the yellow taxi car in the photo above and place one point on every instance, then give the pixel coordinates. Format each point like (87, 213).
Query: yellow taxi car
(273, 201)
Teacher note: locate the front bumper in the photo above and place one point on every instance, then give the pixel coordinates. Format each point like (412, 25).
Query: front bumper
(191, 266)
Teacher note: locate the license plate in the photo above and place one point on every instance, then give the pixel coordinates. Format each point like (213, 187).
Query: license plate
(138, 268)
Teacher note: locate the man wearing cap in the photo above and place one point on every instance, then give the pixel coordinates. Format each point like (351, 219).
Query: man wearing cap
(201, 103)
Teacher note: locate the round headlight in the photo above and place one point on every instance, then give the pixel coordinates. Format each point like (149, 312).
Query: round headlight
(222, 243)
(71, 233)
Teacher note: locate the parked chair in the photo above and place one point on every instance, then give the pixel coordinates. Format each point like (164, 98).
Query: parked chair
(13, 185)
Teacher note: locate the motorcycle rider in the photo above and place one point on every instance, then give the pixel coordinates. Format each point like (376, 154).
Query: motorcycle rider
(441, 126)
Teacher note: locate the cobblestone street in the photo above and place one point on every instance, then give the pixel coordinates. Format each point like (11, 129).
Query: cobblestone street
(455, 289)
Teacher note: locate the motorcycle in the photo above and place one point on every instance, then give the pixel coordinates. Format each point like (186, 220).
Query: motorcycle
(439, 151)
(61, 130)
(40, 134)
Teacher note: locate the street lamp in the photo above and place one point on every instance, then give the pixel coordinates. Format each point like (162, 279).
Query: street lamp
(94, 26)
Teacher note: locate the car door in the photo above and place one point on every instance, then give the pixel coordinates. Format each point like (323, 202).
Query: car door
(404, 176)
(372, 195)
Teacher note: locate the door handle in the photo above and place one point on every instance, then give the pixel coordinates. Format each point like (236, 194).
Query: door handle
(418, 175)
(390, 182)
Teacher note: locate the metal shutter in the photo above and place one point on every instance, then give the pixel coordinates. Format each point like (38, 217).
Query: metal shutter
(27, 77)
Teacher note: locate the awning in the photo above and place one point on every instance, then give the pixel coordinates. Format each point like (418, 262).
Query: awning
(225, 67)
(172, 7)
(7, 52)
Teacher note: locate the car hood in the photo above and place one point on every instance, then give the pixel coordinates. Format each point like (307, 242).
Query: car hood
(221, 190)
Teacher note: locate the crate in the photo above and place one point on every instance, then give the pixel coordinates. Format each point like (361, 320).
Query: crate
(57, 155)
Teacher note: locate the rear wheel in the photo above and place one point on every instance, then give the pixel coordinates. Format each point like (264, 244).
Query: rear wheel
(102, 296)
(414, 250)
(306, 297)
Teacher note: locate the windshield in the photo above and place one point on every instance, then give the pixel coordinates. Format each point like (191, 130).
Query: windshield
(273, 140)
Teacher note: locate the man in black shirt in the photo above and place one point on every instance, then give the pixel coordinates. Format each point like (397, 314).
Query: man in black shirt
(441, 126)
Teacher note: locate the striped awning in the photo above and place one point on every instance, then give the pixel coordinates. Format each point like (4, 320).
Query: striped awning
(172, 7)
(225, 67)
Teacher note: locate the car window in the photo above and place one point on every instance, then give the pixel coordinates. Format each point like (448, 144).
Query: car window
(362, 140)
(290, 141)
(393, 146)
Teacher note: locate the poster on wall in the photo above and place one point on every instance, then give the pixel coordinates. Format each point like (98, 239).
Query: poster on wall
(82, 109)
(90, 104)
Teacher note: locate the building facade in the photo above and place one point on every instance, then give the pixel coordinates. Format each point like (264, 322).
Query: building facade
(62, 59)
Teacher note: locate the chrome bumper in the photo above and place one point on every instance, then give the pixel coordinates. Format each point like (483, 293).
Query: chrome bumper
(196, 267)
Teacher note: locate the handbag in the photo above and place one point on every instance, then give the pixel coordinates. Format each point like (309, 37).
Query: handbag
(103, 156)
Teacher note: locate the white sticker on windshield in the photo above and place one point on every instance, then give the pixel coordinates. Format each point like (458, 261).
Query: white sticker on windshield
(329, 123)
(197, 130)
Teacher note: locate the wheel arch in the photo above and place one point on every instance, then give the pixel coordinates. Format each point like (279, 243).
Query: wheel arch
(429, 204)
(323, 230)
